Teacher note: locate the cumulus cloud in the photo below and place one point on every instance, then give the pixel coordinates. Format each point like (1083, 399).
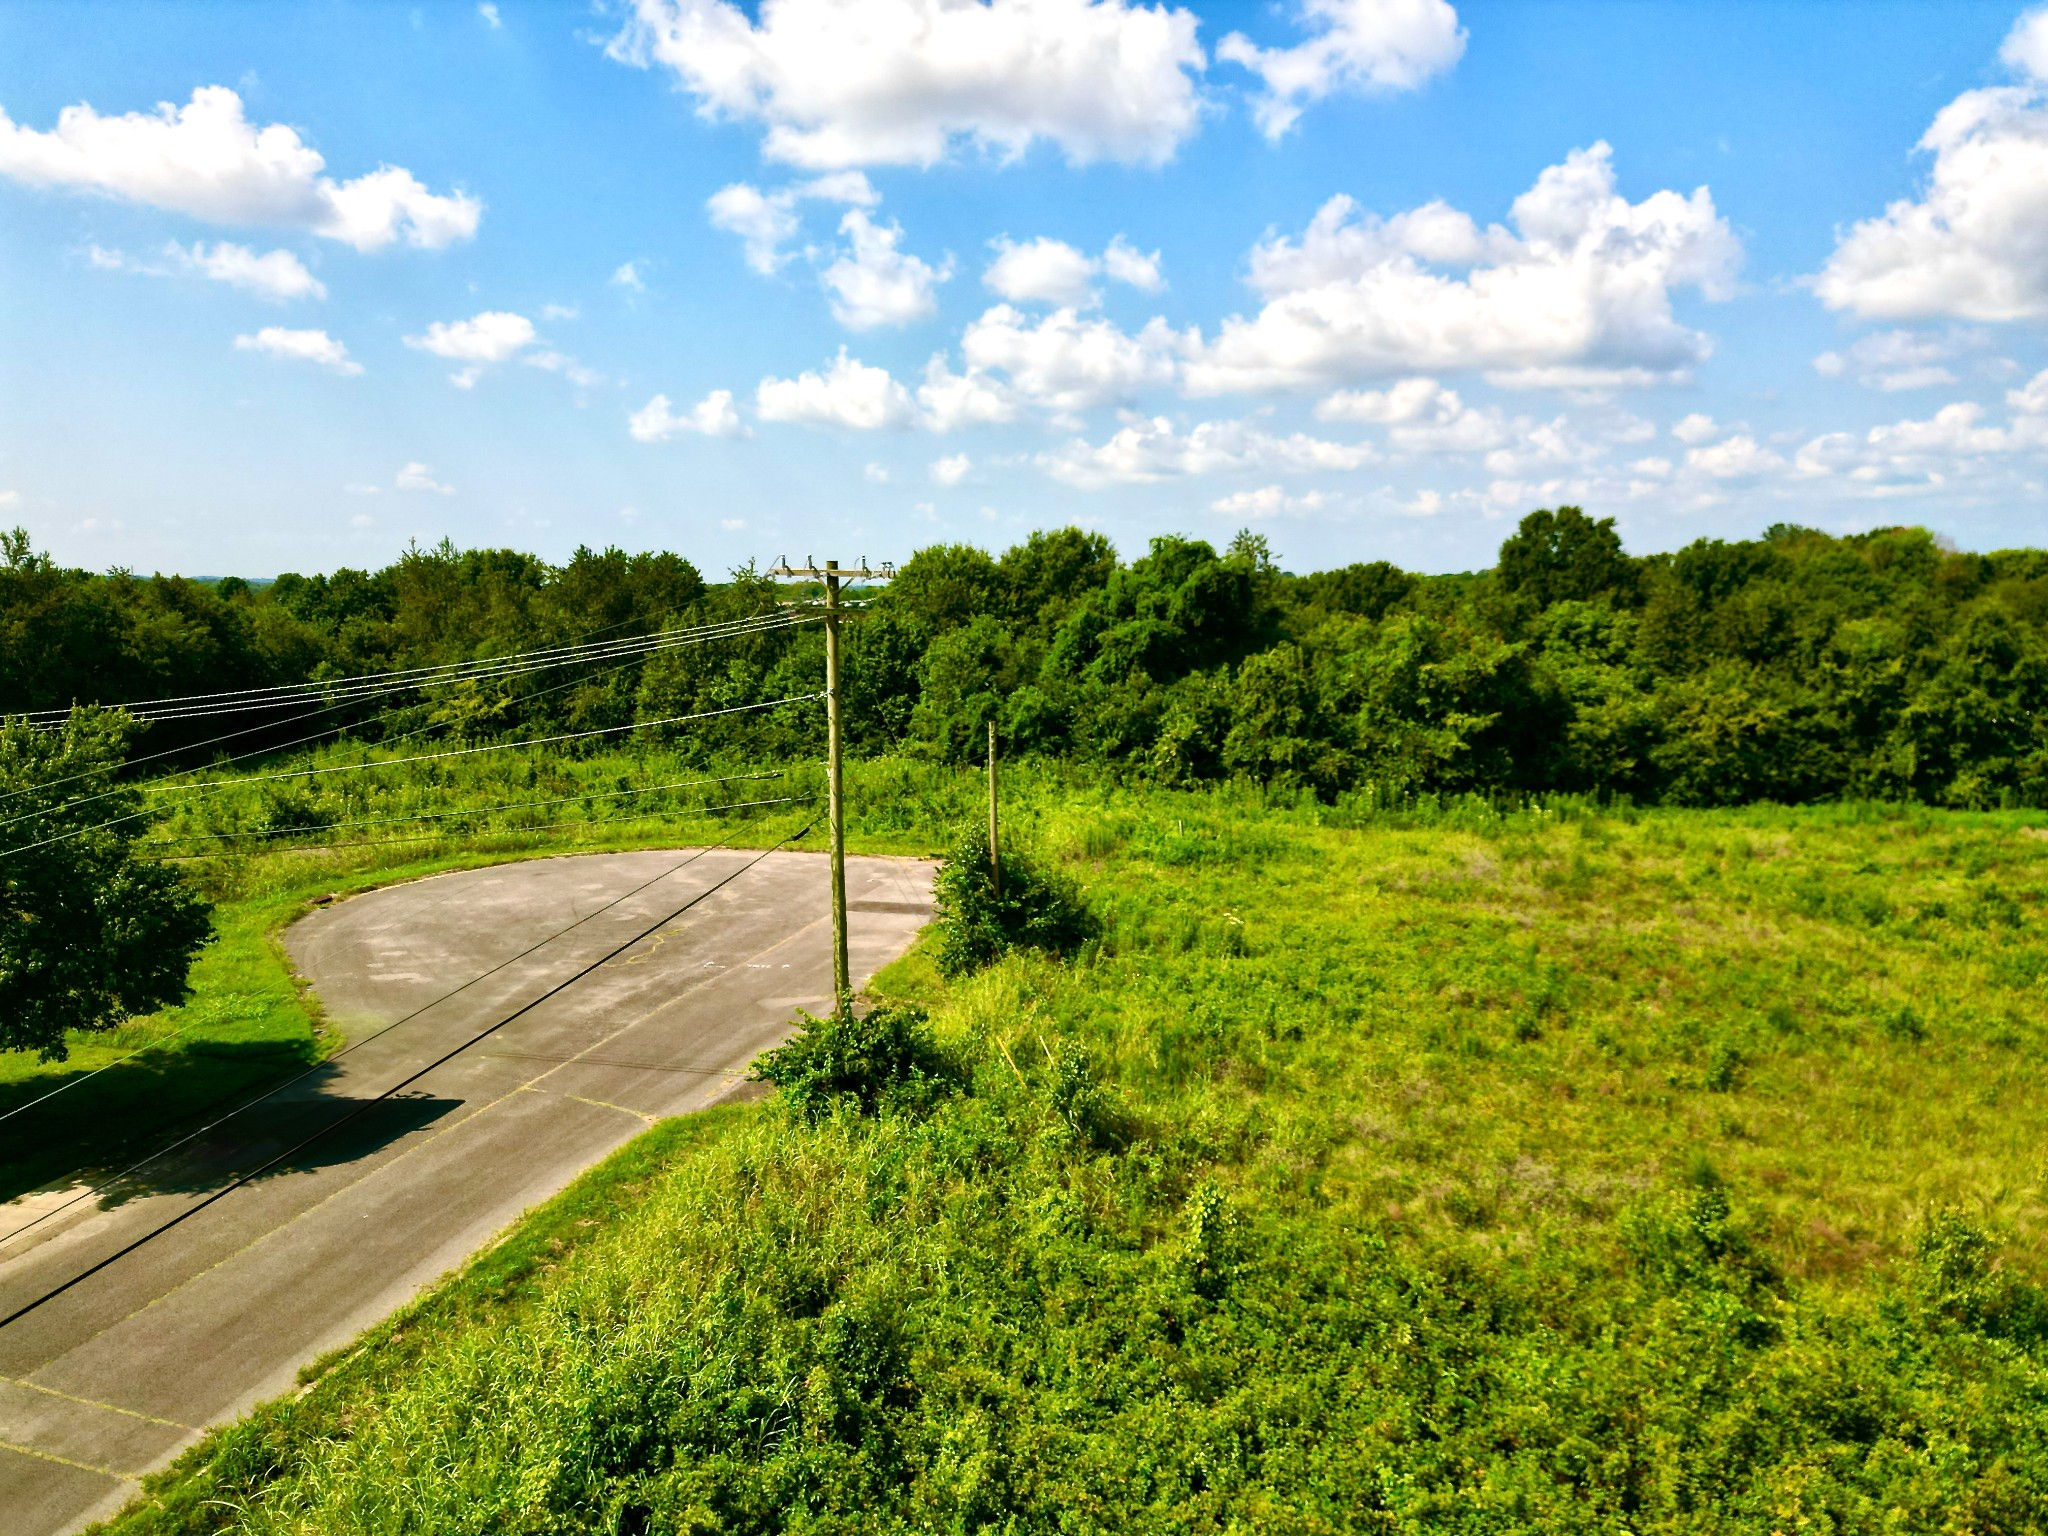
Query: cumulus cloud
(420, 477)
(873, 283)
(901, 82)
(304, 346)
(627, 275)
(848, 393)
(713, 416)
(1408, 400)
(1733, 458)
(1069, 364)
(767, 221)
(273, 275)
(490, 337)
(974, 398)
(1578, 293)
(1694, 428)
(1046, 271)
(1145, 451)
(1357, 45)
(1897, 360)
(1974, 244)
(1123, 262)
(952, 470)
(1267, 501)
(205, 159)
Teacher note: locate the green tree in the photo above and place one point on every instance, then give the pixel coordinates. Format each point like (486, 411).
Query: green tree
(1565, 554)
(90, 934)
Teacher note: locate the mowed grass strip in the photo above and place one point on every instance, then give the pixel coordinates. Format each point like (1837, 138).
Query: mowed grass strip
(1452, 1170)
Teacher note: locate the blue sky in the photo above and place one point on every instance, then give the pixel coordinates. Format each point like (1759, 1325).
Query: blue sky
(284, 286)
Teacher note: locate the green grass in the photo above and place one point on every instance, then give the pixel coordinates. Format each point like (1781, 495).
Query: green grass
(1442, 1168)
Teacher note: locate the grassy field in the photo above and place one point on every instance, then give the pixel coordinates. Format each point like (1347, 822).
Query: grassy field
(1425, 1169)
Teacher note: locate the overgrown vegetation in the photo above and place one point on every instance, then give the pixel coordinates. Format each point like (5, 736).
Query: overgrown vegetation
(1414, 1168)
(979, 923)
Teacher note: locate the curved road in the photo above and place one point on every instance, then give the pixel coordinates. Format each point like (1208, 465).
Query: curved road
(117, 1375)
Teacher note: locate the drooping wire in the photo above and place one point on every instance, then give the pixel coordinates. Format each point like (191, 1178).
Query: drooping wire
(210, 785)
(698, 810)
(94, 1191)
(363, 1107)
(728, 629)
(473, 810)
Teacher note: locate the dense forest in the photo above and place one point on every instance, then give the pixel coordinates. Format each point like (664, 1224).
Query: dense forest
(1793, 667)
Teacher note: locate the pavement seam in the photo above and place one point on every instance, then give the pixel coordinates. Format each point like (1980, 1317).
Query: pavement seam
(66, 1461)
(93, 1402)
(637, 1114)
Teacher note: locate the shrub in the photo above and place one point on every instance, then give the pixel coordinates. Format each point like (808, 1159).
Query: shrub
(1038, 909)
(886, 1059)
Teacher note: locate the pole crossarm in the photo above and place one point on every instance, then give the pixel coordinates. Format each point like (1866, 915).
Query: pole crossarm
(834, 576)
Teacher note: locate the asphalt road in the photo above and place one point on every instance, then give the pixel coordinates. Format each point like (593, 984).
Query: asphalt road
(114, 1377)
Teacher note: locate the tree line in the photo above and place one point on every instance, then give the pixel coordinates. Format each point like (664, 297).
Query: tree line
(1791, 667)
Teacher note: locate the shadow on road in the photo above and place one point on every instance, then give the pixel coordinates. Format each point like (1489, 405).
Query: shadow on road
(123, 1113)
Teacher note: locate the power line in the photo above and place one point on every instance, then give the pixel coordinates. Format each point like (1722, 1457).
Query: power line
(162, 1040)
(766, 624)
(411, 676)
(546, 826)
(335, 1125)
(473, 810)
(391, 762)
(324, 1063)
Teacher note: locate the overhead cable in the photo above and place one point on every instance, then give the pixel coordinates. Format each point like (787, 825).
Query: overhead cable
(365, 1105)
(273, 749)
(209, 785)
(94, 1191)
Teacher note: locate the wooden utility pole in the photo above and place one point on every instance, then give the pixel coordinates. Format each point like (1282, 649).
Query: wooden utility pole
(835, 784)
(995, 863)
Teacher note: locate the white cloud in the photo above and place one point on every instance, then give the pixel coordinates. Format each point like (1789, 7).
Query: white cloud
(10, 499)
(275, 275)
(1974, 245)
(490, 337)
(767, 221)
(1145, 451)
(874, 283)
(1267, 501)
(420, 477)
(1579, 293)
(1069, 364)
(559, 312)
(973, 398)
(1695, 428)
(627, 275)
(1360, 45)
(713, 416)
(1123, 262)
(489, 12)
(1042, 271)
(876, 474)
(1735, 458)
(305, 346)
(1047, 271)
(1897, 360)
(899, 82)
(732, 524)
(1418, 399)
(952, 470)
(550, 361)
(207, 160)
(848, 393)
